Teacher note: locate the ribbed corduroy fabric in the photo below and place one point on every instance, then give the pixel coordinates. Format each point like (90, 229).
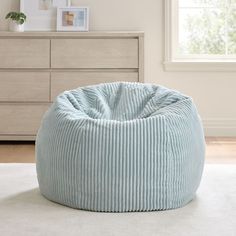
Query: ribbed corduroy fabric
(120, 147)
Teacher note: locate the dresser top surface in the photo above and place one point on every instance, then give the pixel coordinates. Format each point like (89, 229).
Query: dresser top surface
(51, 34)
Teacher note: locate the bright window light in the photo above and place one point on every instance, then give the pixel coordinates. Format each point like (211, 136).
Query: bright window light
(206, 29)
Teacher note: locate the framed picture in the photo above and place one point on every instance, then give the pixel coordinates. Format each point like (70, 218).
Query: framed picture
(41, 14)
(72, 19)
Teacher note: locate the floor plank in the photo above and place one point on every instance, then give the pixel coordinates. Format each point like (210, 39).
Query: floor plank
(17, 152)
(221, 150)
(218, 150)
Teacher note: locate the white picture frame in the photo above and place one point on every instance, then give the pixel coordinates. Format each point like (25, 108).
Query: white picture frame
(73, 19)
(41, 14)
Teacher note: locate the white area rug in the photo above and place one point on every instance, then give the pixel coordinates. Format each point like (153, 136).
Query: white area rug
(23, 211)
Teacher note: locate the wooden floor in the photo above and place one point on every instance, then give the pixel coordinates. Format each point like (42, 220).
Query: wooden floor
(218, 150)
(221, 150)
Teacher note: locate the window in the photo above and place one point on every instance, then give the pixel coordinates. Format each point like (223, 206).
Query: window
(201, 34)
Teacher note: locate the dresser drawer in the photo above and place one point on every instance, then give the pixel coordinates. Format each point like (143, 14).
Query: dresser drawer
(61, 81)
(24, 53)
(94, 53)
(24, 86)
(21, 119)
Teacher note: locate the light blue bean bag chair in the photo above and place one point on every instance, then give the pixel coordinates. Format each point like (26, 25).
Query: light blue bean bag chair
(120, 147)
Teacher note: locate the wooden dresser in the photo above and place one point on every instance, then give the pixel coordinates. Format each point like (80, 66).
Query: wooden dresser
(36, 66)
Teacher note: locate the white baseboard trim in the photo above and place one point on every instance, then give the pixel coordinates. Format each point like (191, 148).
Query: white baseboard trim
(220, 127)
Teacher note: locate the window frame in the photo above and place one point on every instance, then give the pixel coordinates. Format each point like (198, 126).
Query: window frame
(188, 63)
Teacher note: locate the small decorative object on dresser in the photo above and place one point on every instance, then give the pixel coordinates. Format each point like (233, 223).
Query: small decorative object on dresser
(41, 13)
(17, 20)
(73, 19)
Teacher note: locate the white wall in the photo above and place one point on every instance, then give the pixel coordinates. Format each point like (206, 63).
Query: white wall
(214, 93)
